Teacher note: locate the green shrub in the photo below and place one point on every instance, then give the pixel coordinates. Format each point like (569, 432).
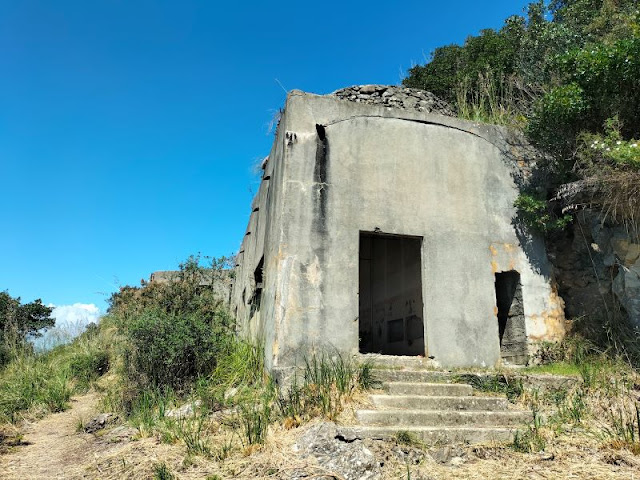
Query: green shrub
(88, 366)
(537, 215)
(170, 350)
(609, 75)
(173, 331)
(597, 151)
(162, 472)
(190, 290)
(557, 119)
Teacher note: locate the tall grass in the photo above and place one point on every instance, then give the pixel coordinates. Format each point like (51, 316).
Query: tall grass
(491, 99)
(327, 381)
(604, 403)
(499, 383)
(31, 382)
(162, 472)
(36, 383)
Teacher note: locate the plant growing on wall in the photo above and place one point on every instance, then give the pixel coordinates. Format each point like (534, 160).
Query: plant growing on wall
(537, 215)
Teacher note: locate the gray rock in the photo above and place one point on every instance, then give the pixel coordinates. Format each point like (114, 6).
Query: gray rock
(409, 455)
(397, 97)
(448, 455)
(626, 287)
(186, 410)
(230, 393)
(122, 433)
(348, 458)
(100, 422)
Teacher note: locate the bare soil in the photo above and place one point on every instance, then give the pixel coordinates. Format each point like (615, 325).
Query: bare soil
(52, 447)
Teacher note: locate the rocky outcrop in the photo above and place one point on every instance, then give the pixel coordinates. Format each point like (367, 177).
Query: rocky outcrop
(347, 457)
(396, 97)
(626, 284)
(597, 266)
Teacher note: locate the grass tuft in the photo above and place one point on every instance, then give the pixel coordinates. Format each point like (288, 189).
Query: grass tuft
(162, 472)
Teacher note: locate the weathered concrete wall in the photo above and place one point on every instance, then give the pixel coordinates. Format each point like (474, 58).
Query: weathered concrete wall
(339, 168)
(220, 281)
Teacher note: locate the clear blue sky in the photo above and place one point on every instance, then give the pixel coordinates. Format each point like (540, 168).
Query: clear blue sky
(129, 129)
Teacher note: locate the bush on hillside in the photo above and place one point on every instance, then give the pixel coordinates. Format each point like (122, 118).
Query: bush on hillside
(174, 330)
(190, 290)
(168, 350)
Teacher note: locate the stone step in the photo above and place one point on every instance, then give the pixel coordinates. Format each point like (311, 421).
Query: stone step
(420, 402)
(397, 361)
(435, 435)
(433, 389)
(429, 376)
(427, 418)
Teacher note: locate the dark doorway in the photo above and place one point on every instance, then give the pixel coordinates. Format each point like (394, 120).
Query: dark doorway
(391, 295)
(258, 281)
(511, 324)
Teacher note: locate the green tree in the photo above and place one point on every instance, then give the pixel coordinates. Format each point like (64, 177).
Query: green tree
(564, 72)
(17, 321)
(26, 319)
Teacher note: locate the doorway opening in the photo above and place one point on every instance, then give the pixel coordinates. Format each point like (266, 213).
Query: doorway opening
(390, 299)
(511, 323)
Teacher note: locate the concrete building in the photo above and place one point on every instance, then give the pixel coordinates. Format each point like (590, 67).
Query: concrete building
(218, 280)
(390, 230)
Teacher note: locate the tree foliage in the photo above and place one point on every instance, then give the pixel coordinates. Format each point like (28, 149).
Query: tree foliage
(566, 71)
(573, 64)
(17, 321)
(26, 319)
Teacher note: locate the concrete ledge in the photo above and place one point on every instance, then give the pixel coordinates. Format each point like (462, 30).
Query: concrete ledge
(433, 389)
(436, 435)
(442, 418)
(419, 402)
(540, 382)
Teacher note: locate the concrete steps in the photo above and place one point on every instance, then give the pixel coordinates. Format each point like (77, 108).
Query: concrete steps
(435, 389)
(429, 376)
(408, 418)
(424, 402)
(429, 405)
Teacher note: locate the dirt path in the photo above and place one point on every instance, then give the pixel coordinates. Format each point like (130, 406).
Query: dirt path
(55, 450)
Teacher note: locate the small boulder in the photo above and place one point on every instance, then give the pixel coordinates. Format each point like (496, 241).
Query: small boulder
(99, 422)
(343, 456)
(186, 410)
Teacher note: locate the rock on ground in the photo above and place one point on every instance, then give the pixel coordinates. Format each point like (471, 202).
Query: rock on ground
(346, 457)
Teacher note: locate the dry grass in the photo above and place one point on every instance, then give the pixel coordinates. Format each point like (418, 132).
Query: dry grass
(576, 455)
(619, 195)
(581, 459)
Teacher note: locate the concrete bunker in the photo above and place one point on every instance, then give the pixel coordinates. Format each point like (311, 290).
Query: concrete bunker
(390, 295)
(392, 230)
(511, 321)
